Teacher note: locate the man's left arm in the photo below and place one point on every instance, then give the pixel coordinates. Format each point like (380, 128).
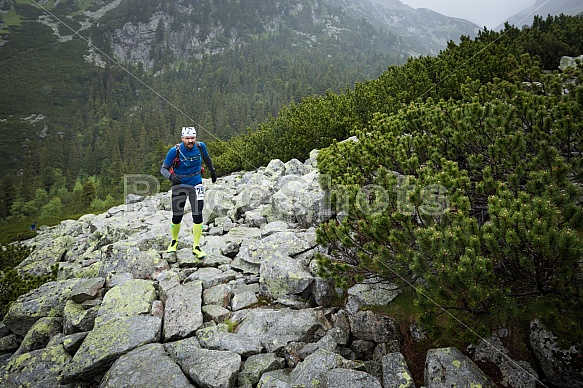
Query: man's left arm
(209, 163)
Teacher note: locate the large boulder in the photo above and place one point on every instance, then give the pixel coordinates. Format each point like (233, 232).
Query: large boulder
(277, 328)
(562, 366)
(142, 366)
(123, 324)
(41, 368)
(448, 367)
(46, 301)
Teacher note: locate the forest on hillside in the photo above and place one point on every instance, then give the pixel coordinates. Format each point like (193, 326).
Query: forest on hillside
(92, 125)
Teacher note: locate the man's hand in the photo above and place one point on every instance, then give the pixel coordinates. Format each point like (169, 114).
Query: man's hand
(213, 176)
(175, 180)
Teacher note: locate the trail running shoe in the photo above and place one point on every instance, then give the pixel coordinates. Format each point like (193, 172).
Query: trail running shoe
(172, 247)
(198, 252)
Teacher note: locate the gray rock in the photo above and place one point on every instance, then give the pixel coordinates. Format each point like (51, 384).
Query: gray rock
(517, 374)
(417, 332)
(395, 371)
(323, 292)
(183, 314)
(128, 257)
(72, 342)
(136, 369)
(4, 331)
(277, 328)
(87, 289)
(212, 368)
(107, 342)
(277, 245)
(274, 227)
(122, 324)
(312, 372)
(40, 369)
(561, 366)
(256, 365)
(211, 277)
(275, 379)
(133, 198)
(252, 196)
(182, 322)
(385, 348)
(9, 343)
(339, 335)
(449, 367)
(133, 298)
(40, 334)
(363, 350)
(275, 168)
(219, 338)
(182, 349)
(168, 280)
(570, 62)
(186, 259)
(243, 300)
(295, 167)
(349, 378)
(78, 319)
(118, 279)
(47, 253)
(218, 203)
(371, 326)
(219, 295)
(370, 294)
(231, 249)
(47, 300)
(283, 276)
(215, 313)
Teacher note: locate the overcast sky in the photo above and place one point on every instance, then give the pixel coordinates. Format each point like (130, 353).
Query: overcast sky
(489, 13)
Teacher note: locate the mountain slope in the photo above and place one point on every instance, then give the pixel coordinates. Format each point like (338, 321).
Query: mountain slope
(544, 8)
(245, 58)
(422, 30)
(188, 29)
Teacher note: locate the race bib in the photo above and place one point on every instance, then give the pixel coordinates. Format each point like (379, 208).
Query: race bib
(199, 192)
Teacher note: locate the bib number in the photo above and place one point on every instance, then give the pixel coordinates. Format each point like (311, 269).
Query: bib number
(199, 192)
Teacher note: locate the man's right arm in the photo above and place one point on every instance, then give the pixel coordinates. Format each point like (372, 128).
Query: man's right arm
(165, 171)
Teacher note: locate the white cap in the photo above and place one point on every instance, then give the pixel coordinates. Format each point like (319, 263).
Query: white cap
(188, 131)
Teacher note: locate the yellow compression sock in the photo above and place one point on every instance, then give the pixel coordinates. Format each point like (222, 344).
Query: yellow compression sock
(174, 231)
(196, 233)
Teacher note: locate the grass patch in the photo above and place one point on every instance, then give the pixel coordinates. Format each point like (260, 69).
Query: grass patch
(10, 19)
(231, 325)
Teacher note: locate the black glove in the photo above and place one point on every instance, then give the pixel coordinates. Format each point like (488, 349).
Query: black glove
(213, 176)
(174, 179)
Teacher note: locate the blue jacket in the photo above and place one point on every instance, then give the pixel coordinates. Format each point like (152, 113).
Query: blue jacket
(190, 163)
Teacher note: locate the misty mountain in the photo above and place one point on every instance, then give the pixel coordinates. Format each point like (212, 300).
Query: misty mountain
(135, 31)
(189, 29)
(427, 28)
(544, 8)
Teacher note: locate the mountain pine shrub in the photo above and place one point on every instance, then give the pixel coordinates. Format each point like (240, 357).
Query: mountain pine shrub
(473, 202)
